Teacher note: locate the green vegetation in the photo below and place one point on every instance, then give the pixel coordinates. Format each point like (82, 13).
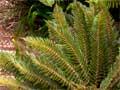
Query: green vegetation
(77, 57)
(37, 11)
(109, 3)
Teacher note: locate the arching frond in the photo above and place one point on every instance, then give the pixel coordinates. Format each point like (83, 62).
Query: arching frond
(12, 84)
(82, 32)
(64, 36)
(9, 81)
(113, 76)
(22, 72)
(49, 72)
(52, 51)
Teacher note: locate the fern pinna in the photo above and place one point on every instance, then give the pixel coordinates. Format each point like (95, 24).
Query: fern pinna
(81, 58)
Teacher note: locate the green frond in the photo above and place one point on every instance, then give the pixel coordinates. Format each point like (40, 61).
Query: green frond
(51, 50)
(23, 73)
(100, 46)
(113, 76)
(5, 63)
(49, 72)
(12, 84)
(102, 38)
(82, 27)
(112, 3)
(32, 74)
(62, 33)
(60, 30)
(111, 36)
(108, 3)
(5, 60)
(100, 42)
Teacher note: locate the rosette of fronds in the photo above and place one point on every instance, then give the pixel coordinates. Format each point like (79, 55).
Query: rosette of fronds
(82, 57)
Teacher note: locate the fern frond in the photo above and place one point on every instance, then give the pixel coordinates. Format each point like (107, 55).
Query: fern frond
(112, 3)
(51, 73)
(70, 48)
(111, 36)
(113, 76)
(101, 46)
(49, 48)
(82, 32)
(59, 29)
(108, 3)
(12, 84)
(22, 72)
(100, 56)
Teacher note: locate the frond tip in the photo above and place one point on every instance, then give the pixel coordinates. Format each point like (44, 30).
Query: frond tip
(11, 83)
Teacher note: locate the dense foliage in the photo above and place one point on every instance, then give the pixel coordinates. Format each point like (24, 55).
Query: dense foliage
(40, 10)
(82, 57)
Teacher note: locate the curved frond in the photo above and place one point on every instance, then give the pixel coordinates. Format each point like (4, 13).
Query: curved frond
(59, 29)
(82, 25)
(51, 50)
(113, 76)
(12, 84)
(22, 72)
(49, 72)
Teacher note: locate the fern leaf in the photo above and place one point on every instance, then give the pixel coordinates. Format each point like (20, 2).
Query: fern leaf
(81, 32)
(113, 76)
(47, 47)
(101, 51)
(61, 31)
(22, 72)
(12, 84)
(49, 72)
(111, 36)
(108, 3)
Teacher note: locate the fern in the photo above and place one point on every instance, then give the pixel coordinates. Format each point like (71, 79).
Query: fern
(83, 58)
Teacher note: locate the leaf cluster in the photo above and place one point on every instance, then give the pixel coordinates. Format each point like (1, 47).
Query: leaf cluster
(82, 57)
